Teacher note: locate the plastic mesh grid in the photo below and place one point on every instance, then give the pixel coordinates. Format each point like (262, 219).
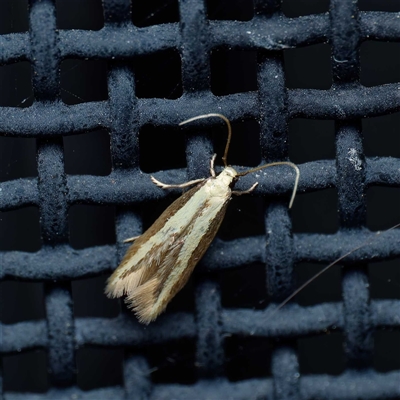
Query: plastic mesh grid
(124, 114)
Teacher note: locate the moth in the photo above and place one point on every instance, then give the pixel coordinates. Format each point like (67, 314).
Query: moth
(160, 261)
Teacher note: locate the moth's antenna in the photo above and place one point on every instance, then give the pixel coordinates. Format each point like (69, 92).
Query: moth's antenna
(294, 166)
(224, 158)
(298, 290)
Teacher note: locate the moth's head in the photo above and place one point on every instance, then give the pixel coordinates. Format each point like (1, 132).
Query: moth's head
(228, 175)
(229, 171)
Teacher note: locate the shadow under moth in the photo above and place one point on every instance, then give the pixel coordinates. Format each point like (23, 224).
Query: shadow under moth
(160, 261)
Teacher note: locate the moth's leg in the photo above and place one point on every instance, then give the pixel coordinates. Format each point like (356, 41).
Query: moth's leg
(182, 185)
(132, 239)
(239, 193)
(212, 170)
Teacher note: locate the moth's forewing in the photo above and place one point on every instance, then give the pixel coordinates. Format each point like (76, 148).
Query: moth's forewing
(159, 262)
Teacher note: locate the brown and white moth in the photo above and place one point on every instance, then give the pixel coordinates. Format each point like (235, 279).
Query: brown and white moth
(159, 262)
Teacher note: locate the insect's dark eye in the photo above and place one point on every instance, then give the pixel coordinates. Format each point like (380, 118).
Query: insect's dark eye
(234, 180)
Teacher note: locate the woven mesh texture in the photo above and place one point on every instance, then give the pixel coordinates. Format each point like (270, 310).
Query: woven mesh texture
(213, 342)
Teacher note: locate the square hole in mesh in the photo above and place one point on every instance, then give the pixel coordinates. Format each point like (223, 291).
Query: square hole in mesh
(233, 71)
(308, 67)
(161, 148)
(244, 287)
(83, 81)
(247, 357)
(325, 288)
(380, 63)
(88, 153)
(387, 350)
(16, 85)
(154, 12)
(244, 217)
(244, 149)
(381, 136)
(22, 301)
(322, 354)
(311, 140)
(172, 362)
(17, 158)
(158, 75)
(13, 16)
(91, 225)
(384, 279)
(20, 229)
(296, 8)
(378, 5)
(25, 372)
(79, 14)
(184, 300)
(316, 212)
(90, 300)
(237, 10)
(99, 367)
(150, 211)
(383, 209)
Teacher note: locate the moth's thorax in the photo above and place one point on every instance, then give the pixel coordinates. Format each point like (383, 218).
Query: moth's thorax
(219, 186)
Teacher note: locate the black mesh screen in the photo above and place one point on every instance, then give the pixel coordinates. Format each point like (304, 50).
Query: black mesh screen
(91, 96)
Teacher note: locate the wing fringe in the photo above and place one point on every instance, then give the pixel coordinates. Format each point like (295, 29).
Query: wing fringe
(143, 286)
